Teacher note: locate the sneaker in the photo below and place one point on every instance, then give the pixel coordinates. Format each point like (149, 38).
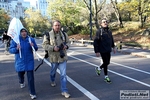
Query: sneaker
(33, 96)
(22, 85)
(53, 84)
(65, 94)
(107, 79)
(98, 72)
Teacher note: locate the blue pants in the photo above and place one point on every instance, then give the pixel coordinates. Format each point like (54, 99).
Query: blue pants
(30, 77)
(63, 79)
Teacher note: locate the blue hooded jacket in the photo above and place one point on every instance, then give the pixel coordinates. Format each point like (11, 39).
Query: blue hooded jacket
(26, 62)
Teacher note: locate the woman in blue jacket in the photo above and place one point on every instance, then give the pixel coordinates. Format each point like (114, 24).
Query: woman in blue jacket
(25, 63)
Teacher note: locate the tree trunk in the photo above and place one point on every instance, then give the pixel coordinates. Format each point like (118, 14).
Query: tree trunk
(141, 21)
(129, 16)
(117, 12)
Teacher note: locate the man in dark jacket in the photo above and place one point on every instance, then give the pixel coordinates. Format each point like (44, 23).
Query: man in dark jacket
(6, 40)
(25, 63)
(103, 44)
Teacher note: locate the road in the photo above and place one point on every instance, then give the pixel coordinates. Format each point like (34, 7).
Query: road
(127, 72)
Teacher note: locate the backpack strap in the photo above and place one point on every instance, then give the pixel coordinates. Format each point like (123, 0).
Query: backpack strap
(48, 35)
(100, 33)
(64, 36)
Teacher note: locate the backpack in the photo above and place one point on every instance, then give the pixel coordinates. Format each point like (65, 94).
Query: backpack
(48, 38)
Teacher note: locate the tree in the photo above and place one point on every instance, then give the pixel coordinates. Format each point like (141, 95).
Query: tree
(67, 11)
(137, 8)
(4, 19)
(143, 9)
(117, 12)
(96, 8)
(35, 22)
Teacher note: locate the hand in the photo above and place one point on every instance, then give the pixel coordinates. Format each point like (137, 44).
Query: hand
(31, 44)
(18, 46)
(65, 47)
(97, 54)
(114, 50)
(56, 48)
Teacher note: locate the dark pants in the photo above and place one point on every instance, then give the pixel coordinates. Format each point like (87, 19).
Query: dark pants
(106, 61)
(30, 77)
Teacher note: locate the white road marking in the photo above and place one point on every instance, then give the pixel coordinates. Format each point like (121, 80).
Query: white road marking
(116, 63)
(112, 72)
(78, 86)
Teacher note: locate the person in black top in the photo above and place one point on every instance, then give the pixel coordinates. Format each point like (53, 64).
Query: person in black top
(103, 44)
(6, 40)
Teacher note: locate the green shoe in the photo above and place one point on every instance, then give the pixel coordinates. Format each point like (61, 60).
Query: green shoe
(98, 72)
(107, 79)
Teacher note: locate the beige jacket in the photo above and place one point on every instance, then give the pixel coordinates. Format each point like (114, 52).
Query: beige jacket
(55, 40)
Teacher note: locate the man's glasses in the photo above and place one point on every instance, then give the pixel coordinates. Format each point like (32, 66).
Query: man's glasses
(104, 22)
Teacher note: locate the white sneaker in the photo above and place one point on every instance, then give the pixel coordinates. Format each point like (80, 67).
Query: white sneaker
(53, 84)
(22, 85)
(65, 94)
(33, 96)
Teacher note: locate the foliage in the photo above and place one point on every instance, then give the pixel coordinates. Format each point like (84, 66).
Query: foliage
(136, 10)
(68, 12)
(4, 19)
(35, 22)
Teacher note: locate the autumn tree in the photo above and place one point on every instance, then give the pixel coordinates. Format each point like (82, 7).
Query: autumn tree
(143, 8)
(4, 19)
(67, 11)
(35, 22)
(137, 9)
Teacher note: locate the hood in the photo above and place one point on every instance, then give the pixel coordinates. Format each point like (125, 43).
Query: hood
(24, 29)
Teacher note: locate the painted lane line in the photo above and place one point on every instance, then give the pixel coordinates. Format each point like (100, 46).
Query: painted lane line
(78, 86)
(116, 63)
(113, 72)
(1, 44)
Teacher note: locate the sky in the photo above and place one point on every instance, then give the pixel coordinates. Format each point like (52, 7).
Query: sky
(32, 2)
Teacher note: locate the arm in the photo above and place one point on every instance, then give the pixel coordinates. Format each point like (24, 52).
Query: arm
(96, 42)
(67, 44)
(34, 44)
(113, 44)
(13, 47)
(46, 44)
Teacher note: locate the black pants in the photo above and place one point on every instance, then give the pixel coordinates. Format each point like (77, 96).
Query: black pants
(106, 61)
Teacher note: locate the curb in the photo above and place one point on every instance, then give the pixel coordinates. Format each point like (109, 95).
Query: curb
(121, 51)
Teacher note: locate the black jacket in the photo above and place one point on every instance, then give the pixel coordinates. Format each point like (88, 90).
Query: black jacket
(103, 41)
(6, 37)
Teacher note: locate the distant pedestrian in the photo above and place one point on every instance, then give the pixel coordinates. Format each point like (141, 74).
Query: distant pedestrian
(56, 45)
(6, 40)
(25, 64)
(103, 44)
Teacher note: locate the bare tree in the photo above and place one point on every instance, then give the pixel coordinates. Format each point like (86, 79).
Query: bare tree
(95, 10)
(117, 12)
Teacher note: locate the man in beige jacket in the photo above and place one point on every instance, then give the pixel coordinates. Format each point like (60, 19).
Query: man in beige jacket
(56, 45)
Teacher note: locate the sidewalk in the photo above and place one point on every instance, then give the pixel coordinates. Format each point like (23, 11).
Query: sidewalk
(127, 50)
(136, 52)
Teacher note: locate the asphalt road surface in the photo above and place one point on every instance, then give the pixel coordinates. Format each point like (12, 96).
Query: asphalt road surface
(126, 72)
